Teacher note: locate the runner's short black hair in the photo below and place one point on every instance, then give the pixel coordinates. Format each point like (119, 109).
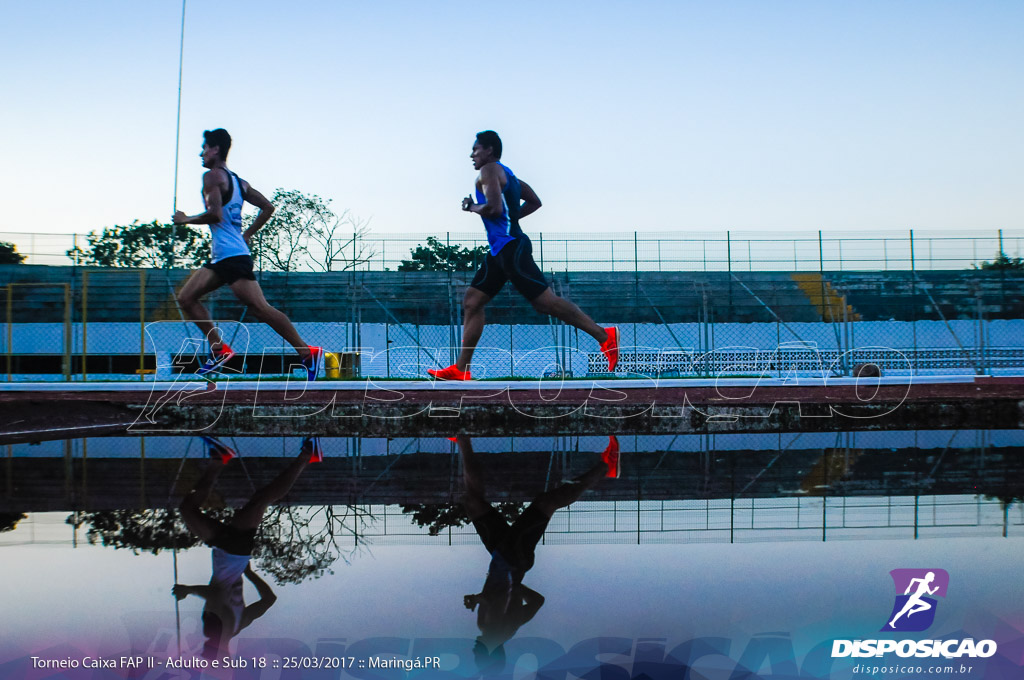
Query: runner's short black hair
(489, 139)
(218, 137)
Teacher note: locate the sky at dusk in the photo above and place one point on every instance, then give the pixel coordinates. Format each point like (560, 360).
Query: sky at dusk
(676, 117)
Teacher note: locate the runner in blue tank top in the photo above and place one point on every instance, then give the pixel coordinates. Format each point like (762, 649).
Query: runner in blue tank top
(230, 260)
(505, 603)
(502, 200)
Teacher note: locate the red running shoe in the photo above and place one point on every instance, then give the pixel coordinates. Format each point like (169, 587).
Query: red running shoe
(610, 348)
(610, 456)
(218, 449)
(450, 373)
(314, 362)
(217, 359)
(312, 444)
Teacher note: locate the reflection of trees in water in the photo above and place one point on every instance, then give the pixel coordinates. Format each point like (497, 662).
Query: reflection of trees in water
(293, 543)
(9, 520)
(1012, 491)
(299, 543)
(439, 516)
(1007, 500)
(140, 530)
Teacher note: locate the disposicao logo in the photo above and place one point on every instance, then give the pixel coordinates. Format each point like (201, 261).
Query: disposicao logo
(914, 610)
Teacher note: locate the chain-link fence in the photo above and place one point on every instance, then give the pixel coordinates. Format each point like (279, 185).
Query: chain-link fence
(82, 323)
(729, 251)
(671, 522)
(672, 488)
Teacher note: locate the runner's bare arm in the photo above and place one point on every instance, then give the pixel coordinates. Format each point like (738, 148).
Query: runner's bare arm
(266, 209)
(490, 179)
(533, 601)
(214, 202)
(260, 607)
(531, 203)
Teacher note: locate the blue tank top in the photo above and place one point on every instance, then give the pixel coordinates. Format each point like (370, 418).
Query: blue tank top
(503, 229)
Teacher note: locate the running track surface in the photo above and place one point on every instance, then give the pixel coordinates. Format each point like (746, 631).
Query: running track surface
(550, 391)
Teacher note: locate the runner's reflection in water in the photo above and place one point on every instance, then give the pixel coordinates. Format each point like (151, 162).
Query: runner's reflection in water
(505, 603)
(225, 613)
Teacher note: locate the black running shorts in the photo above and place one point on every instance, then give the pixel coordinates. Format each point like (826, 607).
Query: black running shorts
(517, 542)
(234, 540)
(230, 269)
(513, 263)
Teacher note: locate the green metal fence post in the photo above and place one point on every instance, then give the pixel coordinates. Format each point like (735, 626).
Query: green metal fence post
(821, 275)
(10, 329)
(142, 324)
(913, 295)
(67, 332)
(636, 254)
(85, 324)
(728, 252)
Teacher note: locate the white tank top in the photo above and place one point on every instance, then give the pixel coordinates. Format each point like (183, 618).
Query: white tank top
(227, 579)
(227, 234)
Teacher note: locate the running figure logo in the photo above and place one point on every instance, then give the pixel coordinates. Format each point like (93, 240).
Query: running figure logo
(914, 610)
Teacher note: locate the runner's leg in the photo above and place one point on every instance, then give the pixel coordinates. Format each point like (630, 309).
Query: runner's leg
(567, 311)
(517, 261)
(251, 514)
(473, 321)
(249, 292)
(565, 495)
(474, 499)
(202, 282)
(191, 506)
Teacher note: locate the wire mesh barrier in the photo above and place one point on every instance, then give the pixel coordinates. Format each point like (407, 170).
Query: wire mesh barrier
(80, 323)
(638, 521)
(687, 488)
(42, 314)
(744, 520)
(729, 251)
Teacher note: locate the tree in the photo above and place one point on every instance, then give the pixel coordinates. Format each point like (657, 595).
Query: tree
(144, 245)
(298, 543)
(138, 530)
(439, 257)
(9, 520)
(9, 254)
(1003, 262)
(293, 543)
(305, 233)
(436, 517)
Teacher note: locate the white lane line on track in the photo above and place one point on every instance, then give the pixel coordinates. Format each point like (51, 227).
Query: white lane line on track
(481, 386)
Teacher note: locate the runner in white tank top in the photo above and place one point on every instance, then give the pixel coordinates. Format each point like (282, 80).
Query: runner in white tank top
(226, 235)
(231, 262)
(225, 612)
